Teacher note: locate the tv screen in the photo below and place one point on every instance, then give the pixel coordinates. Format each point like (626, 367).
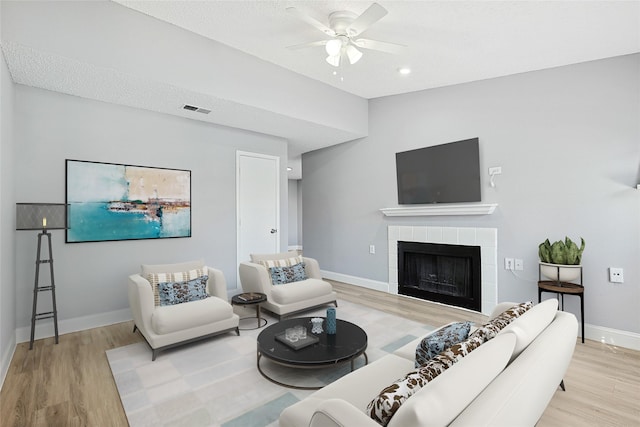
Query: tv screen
(447, 173)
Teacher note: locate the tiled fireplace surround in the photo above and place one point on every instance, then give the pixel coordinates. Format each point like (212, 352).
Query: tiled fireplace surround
(486, 238)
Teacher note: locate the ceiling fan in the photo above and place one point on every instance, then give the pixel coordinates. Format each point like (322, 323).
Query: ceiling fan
(344, 29)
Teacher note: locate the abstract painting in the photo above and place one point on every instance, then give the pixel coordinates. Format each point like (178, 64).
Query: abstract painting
(110, 201)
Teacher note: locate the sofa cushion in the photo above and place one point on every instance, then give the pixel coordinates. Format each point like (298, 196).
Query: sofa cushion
(169, 277)
(290, 293)
(171, 293)
(282, 275)
(278, 260)
(179, 317)
(439, 340)
(351, 388)
(444, 398)
(529, 325)
(386, 404)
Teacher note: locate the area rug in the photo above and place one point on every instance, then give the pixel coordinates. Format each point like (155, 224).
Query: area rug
(215, 382)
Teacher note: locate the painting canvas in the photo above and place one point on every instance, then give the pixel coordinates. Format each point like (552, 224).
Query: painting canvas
(123, 202)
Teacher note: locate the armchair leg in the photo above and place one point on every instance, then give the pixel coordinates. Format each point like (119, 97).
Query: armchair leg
(237, 331)
(135, 328)
(562, 385)
(336, 303)
(154, 353)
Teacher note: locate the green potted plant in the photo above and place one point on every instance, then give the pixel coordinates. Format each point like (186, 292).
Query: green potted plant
(561, 261)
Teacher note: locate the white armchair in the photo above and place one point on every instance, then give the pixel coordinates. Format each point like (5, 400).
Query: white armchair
(289, 298)
(168, 326)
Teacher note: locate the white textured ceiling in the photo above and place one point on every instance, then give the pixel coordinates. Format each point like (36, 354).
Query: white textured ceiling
(448, 42)
(231, 56)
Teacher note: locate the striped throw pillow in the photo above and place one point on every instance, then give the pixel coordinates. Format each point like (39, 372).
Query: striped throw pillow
(182, 276)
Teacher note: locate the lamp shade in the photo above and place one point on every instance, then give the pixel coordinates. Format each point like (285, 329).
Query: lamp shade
(37, 216)
(353, 54)
(334, 60)
(333, 47)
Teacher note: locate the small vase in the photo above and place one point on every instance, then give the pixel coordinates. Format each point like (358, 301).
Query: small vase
(331, 321)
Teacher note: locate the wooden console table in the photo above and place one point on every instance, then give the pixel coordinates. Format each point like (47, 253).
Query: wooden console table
(562, 289)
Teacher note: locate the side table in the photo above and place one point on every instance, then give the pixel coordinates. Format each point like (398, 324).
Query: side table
(251, 298)
(562, 289)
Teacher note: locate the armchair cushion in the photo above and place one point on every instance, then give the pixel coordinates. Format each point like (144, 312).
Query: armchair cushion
(180, 276)
(180, 317)
(180, 292)
(290, 293)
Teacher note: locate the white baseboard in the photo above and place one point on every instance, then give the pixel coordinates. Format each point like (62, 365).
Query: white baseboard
(6, 360)
(609, 336)
(358, 281)
(612, 337)
(46, 330)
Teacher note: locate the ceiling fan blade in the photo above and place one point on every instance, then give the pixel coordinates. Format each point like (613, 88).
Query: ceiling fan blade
(311, 21)
(310, 44)
(374, 13)
(378, 45)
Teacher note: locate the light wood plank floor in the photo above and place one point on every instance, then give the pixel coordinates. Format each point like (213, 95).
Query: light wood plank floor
(70, 384)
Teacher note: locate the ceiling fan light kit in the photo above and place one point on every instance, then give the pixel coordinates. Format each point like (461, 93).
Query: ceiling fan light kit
(344, 26)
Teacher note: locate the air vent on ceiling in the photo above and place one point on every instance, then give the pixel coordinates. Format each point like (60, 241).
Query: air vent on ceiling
(196, 109)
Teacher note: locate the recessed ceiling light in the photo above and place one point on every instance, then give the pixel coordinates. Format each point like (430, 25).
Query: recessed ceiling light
(404, 71)
(289, 169)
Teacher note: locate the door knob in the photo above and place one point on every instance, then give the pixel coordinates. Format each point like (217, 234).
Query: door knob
(274, 231)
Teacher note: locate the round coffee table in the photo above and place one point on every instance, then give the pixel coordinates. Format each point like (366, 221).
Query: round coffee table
(349, 342)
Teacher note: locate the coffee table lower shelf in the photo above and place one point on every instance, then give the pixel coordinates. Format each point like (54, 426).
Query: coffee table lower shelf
(349, 343)
(298, 387)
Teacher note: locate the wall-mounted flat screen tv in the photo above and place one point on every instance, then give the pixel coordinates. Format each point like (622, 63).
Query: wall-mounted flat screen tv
(447, 173)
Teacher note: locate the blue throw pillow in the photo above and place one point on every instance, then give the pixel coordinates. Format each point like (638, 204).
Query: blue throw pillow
(172, 293)
(440, 340)
(282, 275)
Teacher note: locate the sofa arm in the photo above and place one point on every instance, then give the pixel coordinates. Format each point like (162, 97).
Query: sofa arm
(254, 278)
(141, 301)
(217, 284)
(340, 413)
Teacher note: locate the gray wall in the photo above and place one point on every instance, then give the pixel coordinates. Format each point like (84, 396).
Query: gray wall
(568, 141)
(7, 223)
(294, 218)
(91, 277)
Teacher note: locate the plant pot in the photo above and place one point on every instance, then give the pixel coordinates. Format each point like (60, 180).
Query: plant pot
(560, 272)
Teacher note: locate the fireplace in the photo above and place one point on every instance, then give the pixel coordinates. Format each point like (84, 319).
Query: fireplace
(445, 273)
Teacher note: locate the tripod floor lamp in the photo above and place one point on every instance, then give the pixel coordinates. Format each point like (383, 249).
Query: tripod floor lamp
(43, 217)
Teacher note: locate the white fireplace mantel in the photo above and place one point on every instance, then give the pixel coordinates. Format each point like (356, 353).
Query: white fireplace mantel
(441, 210)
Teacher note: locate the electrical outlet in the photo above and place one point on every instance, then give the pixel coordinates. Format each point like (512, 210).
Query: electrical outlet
(519, 264)
(508, 263)
(372, 249)
(616, 275)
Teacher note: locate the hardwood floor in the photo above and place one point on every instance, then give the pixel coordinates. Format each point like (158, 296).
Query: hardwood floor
(70, 384)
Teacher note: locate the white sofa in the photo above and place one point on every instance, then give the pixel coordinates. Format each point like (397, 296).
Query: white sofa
(164, 327)
(507, 381)
(290, 298)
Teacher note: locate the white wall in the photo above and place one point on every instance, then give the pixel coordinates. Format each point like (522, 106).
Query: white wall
(91, 278)
(7, 222)
(568, 141)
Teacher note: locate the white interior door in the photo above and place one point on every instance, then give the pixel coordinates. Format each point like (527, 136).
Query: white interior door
(258, 204)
